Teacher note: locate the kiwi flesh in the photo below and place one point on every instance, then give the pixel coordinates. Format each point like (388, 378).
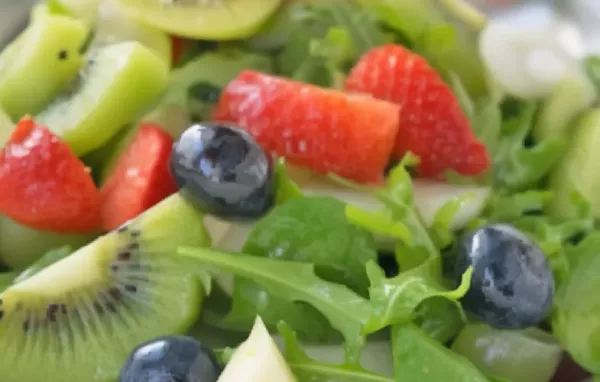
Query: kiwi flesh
(114, 26)
(6, 128)
(79, 318)
(21, 246)
(119, 82)
(203, 19)
(40, 62)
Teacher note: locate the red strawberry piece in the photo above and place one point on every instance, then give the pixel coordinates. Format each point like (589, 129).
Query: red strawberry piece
(140, 178)
(322, 129)
(432, 123)
(43, 185)
(178, 45)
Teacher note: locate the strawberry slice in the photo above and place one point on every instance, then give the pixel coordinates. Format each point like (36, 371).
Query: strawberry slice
(432, 123)
(324, 130)
(178, 45)
(43, 185)
(140, 178)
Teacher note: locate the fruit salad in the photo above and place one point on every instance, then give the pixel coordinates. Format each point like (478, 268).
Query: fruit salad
(296, 191)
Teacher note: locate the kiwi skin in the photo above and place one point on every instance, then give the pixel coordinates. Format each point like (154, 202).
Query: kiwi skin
(79, 318)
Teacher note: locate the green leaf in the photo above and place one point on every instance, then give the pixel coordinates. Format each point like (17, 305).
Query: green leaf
(418, 357)
(216, 68)
(295, 281)
(309, 370)
(440, 229)
(395, 299)
(592, 67)
(440, 318)
(517, 167)
(508, 208)
(312, 230)
(326, 38)
(286, 188)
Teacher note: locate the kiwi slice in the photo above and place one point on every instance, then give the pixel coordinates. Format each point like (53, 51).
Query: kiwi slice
(40, 62)
(114, 26)
(203, 19)
(119, 82)
(22, 246)
(78, 319)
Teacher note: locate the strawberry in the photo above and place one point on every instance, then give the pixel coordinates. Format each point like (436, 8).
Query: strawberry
(43, 185)
(140, 178)
(324, 130)
(178, 45)
(432, 123)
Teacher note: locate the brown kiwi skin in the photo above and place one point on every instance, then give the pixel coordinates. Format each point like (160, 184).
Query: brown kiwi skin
(135, 293)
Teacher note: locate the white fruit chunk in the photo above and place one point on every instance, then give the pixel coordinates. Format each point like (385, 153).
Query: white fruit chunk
(257, 360)
(529, 61)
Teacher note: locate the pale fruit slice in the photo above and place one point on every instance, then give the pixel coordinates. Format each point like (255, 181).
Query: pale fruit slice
(41, 61)
(113, 26)
(572, 96)
(85, 10)
(120, 82)
(578, 170)
(203, 19)
(257, 360)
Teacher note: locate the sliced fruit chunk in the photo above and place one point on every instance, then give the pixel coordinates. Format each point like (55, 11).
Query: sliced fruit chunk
(44, 185)
(322, 129)
(113, 26)
(432, 123)
(203, 20)
(571, 96)
(257, 360)
(578, 169)
(22, 246)
(119, 82)
(86, 10)
(140, 178)
(40, 63)
(103, 300)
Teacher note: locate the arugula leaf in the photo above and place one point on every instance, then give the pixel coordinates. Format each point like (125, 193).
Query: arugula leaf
(419, 357)
(325, 39)
(309, 370)
(517, 167)
(440, 318)
(395, 299)
(312, 230)
(215, 68)
(295, 281)
(286, 188)
(592, 68)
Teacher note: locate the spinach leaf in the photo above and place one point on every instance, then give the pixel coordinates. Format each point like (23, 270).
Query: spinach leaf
(417, 356)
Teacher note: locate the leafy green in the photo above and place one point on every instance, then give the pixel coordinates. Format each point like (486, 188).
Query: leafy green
(325, 38)
(417, 356)
(296, 281)
(286, 188)
(312, 230)
(592, 67)
(576, 320)
(517, 167)
(439, 318)
(215, 68)
(309, 370)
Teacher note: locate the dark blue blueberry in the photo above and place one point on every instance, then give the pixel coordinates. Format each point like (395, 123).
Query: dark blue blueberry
(512, 285)
(177, 359)
(224, 171)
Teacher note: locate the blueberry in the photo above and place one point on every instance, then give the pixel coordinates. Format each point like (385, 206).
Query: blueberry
(512, 285)
(224, 171)
(181, 359)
